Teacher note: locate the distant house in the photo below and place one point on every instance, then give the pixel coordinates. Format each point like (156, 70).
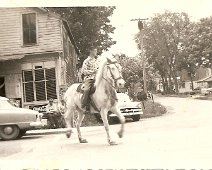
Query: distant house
(206, 82)
(201, 75)
(38, 55)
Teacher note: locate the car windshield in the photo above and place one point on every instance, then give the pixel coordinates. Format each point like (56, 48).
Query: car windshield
(123, 97)
(5, 104)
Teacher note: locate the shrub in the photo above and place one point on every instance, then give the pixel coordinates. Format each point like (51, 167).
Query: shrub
(153, 109)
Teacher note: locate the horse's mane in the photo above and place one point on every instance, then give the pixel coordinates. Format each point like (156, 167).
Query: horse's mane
(100, 72)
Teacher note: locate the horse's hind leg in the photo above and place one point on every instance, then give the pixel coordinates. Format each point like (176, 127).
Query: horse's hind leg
(106, 125)
(81, 116)
(116, 111)
(69, 119)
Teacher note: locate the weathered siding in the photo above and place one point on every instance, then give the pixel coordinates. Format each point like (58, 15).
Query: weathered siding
(11, 71)
(11, 41)
(70, 58)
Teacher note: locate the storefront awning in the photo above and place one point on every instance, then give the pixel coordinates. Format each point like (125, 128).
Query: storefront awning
(11, 57)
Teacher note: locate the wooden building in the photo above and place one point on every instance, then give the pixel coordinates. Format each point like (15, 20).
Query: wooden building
(38, 55)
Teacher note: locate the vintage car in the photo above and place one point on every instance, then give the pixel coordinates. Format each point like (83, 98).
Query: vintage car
(127, 107)
(14, 121)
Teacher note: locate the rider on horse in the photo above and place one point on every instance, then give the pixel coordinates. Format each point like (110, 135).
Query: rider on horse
(89, 69)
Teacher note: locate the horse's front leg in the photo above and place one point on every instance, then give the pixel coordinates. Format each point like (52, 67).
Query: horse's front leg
(106, 125)
(116, 111)
(68, 119)
(81, 116)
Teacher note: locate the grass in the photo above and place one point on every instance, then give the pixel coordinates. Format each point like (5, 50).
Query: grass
(153, 109)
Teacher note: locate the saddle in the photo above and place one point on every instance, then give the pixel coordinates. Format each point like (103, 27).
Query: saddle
(82, 87)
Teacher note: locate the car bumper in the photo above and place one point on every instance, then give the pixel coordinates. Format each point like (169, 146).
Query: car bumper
(127, 114)
(36, 124)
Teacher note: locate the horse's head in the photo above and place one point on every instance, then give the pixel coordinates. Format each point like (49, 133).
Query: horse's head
(115, 72)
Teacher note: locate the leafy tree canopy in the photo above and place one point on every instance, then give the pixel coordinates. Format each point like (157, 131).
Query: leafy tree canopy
(90, 27)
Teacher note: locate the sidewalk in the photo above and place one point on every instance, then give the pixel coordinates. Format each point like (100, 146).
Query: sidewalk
(62, 130)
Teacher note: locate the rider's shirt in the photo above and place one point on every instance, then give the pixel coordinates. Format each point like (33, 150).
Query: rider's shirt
(89, 68)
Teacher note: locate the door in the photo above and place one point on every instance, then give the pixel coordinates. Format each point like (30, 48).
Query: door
(2, 87)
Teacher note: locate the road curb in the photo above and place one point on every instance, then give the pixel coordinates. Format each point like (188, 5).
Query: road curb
(44, 132)
(60, 131)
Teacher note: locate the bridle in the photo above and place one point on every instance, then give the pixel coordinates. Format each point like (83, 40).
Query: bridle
(112, 75)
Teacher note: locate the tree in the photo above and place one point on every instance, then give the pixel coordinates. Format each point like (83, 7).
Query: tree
(133, 72)
(131, 69)
(90, 27)
(163, 34)
(199, 42)
(187, 61)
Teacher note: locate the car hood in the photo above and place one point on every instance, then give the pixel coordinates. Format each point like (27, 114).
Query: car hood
(128, 104)
(22, 110)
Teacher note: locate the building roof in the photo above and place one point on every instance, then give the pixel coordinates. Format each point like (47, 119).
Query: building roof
(207, 79)
(65, 23)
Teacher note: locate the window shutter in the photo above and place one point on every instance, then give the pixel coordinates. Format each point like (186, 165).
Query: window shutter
(29, 92)
(40, 91)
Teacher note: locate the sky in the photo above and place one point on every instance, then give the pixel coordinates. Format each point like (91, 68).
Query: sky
(124, 12)
(126, 29)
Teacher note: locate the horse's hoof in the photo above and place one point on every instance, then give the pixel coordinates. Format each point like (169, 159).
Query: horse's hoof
(68, 134)
(112, 143)
(83, 141)
(120, 134)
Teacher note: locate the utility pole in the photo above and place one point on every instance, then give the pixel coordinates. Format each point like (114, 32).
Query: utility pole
(141, 37)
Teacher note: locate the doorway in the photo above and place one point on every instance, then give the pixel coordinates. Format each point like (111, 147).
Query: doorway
(2, 87)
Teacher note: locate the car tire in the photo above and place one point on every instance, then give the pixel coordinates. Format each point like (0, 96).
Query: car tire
(136, 117)
(21, 134)
(9, 132)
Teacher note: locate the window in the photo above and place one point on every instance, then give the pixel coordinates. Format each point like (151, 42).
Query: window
(39, 84)
(182, 84)
(29, 29)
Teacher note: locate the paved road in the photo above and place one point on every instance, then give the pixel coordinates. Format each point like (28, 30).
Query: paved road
(179, 139)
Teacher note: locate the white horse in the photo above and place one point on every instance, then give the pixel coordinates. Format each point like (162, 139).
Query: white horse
(104, 97)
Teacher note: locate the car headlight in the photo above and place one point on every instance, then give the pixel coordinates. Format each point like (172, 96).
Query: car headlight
(39, 116)
(139, 105)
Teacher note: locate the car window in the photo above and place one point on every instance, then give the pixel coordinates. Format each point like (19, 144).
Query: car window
(5, 104)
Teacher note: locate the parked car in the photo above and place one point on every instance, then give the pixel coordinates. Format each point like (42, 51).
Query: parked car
(14, 121)
(208, 91)
(127, 107)
(195, 91)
